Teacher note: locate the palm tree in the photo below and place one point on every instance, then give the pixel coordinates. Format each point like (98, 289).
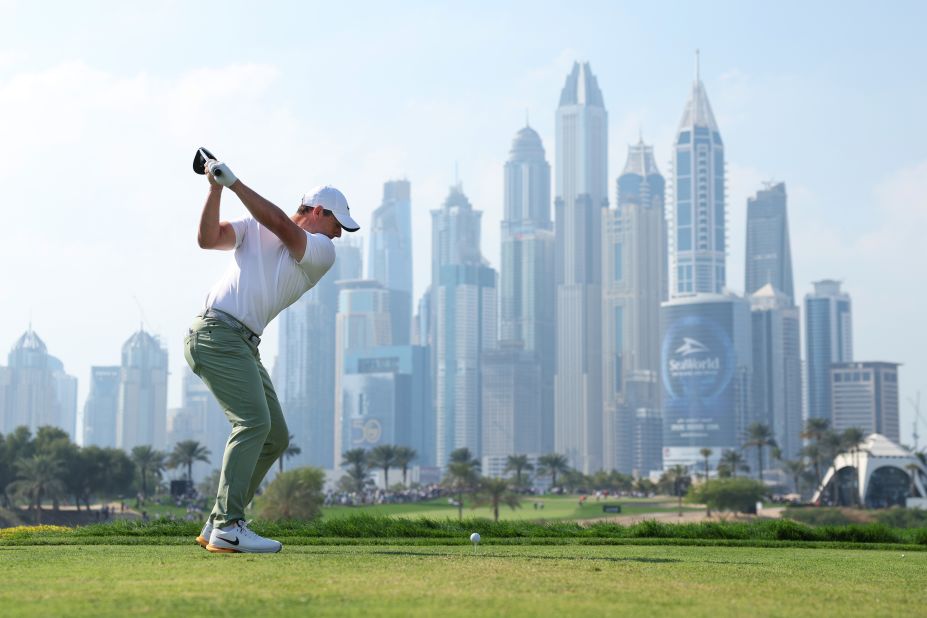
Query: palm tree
(518, 464)
(732, 462)
(383, 457)
(706, 453)
(38, 477)
(758, 437)
(851, 439)
(795, 467)
(186, 453)
(460, 478)
(355, 461)
(553, 464)
(815, 429)
(148, 460)
(677, 478)
(292, 450)
(404, 456)
(495, 492)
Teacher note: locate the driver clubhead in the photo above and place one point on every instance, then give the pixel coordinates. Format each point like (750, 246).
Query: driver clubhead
(199, 161)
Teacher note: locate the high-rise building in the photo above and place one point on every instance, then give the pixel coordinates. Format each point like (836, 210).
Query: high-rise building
(769, 254)
(633, 286)
(511, 379)
(706, 363)
(208, 422)
(305, 367)
(101, 407)
(527, 286)
(463, 323)
(36, 391)
(582, 194)
(141, 418)
(829, 340)
(777, 389)
(389, 260)
(697, 220)
(363, 323)
(387, 400)
(864, 395)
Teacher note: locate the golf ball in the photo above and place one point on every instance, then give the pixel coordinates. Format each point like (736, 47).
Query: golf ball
(475, 537)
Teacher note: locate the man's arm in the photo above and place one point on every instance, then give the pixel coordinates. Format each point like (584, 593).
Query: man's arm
(273, 218)
(214, 234)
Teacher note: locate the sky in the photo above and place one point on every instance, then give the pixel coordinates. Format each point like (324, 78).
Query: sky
(102, 105)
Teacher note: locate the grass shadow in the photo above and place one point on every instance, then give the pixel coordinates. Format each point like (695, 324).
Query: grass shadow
(531, 556)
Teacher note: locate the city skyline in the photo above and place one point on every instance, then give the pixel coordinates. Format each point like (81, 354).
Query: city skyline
(864, 239)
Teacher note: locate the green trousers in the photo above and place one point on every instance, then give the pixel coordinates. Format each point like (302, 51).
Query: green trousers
(231, 368)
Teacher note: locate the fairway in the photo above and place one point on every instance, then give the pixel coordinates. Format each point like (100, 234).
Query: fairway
(402, 580)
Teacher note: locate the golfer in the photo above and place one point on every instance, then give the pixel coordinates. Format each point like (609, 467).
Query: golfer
(277, 259)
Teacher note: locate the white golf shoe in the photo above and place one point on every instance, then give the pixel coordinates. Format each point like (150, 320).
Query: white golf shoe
(239, 539)
(203, 539)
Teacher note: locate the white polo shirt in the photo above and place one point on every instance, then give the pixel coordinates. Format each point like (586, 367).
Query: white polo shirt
(263, 279)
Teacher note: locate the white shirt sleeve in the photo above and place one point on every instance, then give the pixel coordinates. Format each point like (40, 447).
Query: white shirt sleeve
(319, 256)
(240, 227)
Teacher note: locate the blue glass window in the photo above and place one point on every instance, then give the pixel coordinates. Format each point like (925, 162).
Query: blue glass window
(618, 262)
(684, 239)
(683, 163)
(684, 138)
(684, 190)
(684, 214)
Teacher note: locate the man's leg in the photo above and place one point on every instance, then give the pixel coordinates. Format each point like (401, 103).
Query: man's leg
(231, 370)
(278, 438)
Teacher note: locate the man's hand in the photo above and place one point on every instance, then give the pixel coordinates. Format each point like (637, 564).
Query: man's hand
(220, 173)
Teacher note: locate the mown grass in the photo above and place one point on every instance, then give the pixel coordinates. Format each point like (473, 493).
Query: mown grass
(399, 580)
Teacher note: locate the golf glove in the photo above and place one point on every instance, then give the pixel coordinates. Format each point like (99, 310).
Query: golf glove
(224, 177)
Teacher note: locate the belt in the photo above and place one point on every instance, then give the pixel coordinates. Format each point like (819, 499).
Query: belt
(233, 323)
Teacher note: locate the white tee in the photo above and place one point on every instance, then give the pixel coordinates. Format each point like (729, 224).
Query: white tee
(264, 279)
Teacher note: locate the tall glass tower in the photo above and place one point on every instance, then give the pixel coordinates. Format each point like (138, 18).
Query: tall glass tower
(582, 195)
(829, 340)
(527, 284)
(697, 219)
(768, 256)
(389, 260)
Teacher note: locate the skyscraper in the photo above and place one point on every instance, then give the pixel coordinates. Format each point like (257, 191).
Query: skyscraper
(777, 389)
(511, 399)
(633, 286)
(36, 390)
(527, 287)
(101, 407)
(697, 219)
(141, 418)
(582, 194)
(464, 323)
(829, 332)
(865, 396)
(305, 367)
(389, 260)
(769, 255)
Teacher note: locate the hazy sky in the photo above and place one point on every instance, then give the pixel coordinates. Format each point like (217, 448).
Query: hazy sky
(102, 105)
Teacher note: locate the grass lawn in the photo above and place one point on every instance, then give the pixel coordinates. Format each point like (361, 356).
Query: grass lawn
(555, 508)
(403, 580)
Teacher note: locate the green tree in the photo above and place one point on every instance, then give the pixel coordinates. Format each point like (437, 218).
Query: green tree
(729, 494)
(795, 468)
(676, 481)
(355, 461)
(150, 464)
(186, 453)
(118, 473)
(492, 492)
(404, 457)
(551, 465)
(518, 464)
(759, 436)
(815, 429)
(851, 439)
(296, 494)
(292, 450)
(463, 474)
(38, 477)
(383, 456)
(6, 472)
(731, 463)
(706, 453)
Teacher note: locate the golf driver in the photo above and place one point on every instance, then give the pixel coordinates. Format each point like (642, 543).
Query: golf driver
(200, 159)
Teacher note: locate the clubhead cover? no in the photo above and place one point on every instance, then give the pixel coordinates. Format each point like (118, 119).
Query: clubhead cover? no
(199, 160)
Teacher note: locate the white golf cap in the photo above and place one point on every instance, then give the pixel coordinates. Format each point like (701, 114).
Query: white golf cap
(331, 199)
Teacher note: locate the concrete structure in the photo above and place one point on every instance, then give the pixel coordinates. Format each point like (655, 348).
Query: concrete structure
(582, 195)
(879, 473)
(389, 260)
(829, 340)
(697, 241)
(777, 389)
(769, 253)
(305, 368)
(101, 407)
(633, 286)
(35, 389)
(864, 395)
(706, 364)
(141, 418)
(527, 287)
(462, 323)
(511, 380)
